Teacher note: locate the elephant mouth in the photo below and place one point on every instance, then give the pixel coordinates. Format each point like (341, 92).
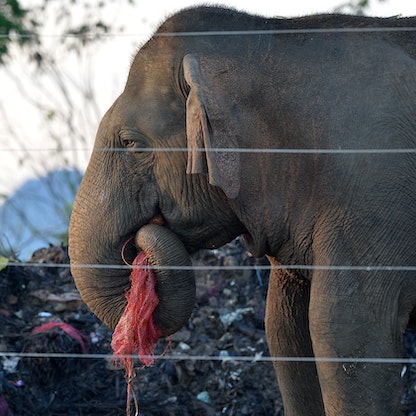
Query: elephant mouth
(129, 249)
(157, 220)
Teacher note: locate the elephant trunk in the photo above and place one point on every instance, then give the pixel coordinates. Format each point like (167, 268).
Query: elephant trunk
(175, 280)
(103, 288)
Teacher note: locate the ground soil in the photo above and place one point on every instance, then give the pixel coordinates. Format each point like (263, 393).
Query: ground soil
(227, 323)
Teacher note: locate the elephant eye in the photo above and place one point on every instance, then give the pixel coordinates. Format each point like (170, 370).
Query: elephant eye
(129, 143)
(133, 140)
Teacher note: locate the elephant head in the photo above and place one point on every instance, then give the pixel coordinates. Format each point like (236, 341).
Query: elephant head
(153, 162)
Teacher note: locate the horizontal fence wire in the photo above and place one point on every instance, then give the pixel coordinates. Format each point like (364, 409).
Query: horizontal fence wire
(365, 268)
(254, 32)
(220, 358)
(222, 150)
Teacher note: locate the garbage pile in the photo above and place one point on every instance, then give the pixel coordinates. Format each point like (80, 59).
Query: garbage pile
(213, 366)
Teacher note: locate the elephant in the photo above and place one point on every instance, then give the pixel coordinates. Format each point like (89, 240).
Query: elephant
(297, 134)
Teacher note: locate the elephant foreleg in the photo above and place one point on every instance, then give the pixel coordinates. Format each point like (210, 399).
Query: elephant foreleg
(287, 330)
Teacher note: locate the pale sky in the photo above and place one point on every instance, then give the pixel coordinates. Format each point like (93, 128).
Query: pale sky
(113, 59)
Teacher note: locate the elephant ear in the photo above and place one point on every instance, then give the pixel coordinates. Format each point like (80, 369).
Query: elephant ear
(210, 139)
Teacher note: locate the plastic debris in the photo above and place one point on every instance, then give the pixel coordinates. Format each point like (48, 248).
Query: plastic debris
(4, 408)
(203, 397)
(10, 364)
(228, 318)
(78, 336)
(3, 262)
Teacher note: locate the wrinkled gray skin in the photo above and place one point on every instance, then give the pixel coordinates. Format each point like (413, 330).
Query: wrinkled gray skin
(298, 91)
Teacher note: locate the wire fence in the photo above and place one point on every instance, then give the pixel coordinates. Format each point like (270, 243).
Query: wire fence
(300, 267)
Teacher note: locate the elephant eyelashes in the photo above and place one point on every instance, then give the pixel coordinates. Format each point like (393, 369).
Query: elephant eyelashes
(129, 143)
(133, 141)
